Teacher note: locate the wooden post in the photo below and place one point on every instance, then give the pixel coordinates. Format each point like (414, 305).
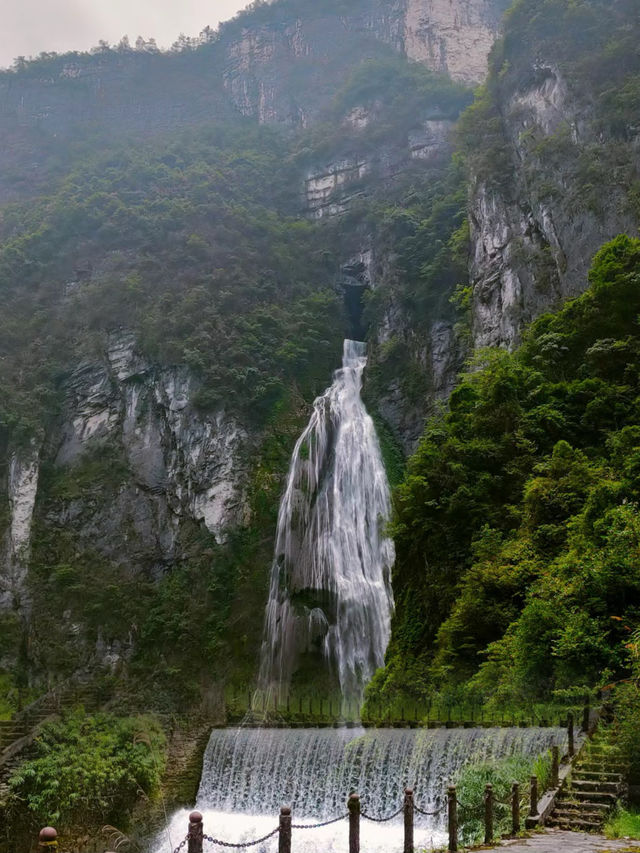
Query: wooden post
(533, 810)
(515, 808)
(452, 802)
(194, 836)
(284, 837)
(48, 840)
(572, 748)
(555, 766)
(354, 823)
(408, 820)
(488, 813)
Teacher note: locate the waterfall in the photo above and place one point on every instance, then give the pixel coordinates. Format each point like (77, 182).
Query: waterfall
(331, 576)
(249, 773)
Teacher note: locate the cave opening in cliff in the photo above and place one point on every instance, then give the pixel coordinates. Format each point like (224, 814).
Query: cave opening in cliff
(354, 304)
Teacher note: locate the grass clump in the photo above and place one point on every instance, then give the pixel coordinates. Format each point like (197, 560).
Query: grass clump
(623, 823)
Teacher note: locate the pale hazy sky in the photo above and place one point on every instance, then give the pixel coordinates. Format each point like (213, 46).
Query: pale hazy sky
(28, 27)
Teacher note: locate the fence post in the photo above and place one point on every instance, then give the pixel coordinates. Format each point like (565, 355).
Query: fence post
(533, 810)
(555, 766)
(408, 820)
(284, 838)
(515, 808)
(354, 823)
(572, 748)
(488, 814)
(194, 836)
(452, 802)
(48, 839)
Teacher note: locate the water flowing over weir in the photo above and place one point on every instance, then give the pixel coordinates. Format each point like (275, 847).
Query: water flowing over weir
(249, 773)
(331, 577)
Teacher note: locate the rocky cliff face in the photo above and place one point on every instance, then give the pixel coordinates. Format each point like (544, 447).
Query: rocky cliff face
(181, 465)
(533, 236)
(270, 69)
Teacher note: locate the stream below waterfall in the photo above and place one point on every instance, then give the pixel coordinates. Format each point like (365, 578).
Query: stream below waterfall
(249, 773)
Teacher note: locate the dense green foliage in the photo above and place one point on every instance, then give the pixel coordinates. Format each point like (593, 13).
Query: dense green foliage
(89, 771)
(517, 526)
(626, 729)
(501, 773)
(194, 246)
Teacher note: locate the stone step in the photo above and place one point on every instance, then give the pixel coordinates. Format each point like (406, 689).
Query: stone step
(579, 814)
(597, 775)
(595, 786)
(574, 823)
(597, 767)
(588, 796)
(582, 806)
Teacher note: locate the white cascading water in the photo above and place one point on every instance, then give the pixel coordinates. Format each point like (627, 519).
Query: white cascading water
(249, 773)
(331, 576)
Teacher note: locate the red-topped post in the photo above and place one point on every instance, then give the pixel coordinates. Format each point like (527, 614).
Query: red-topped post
(48, 840)
(195, 833)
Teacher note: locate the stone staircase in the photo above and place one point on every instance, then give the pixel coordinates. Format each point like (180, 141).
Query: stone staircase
(592, 790)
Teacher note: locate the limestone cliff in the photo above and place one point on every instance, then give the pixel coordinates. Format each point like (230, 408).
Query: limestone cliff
(563, 187)
(270, 69)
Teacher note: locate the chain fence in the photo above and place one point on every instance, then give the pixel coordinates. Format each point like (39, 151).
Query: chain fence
(319, 825)
(242, 844)
(382, 819)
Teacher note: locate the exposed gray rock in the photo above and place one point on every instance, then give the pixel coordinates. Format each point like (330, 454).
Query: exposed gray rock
(192, 463)
(22, 489)
(448, 36)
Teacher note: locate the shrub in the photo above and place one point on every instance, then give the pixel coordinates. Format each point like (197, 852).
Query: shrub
(90, 770)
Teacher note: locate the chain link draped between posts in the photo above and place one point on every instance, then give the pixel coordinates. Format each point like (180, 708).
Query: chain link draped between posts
(382, 819)
(319, 825)
(243, 844)
(428, 814)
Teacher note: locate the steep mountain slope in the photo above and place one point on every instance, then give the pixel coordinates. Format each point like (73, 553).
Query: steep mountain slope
(172, 309)
(184, 240)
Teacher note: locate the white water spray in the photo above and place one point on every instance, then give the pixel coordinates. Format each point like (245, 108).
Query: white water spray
(249, 773)
(331, 576)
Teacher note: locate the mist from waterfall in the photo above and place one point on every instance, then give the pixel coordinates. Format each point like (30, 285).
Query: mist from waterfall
(331, 576)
